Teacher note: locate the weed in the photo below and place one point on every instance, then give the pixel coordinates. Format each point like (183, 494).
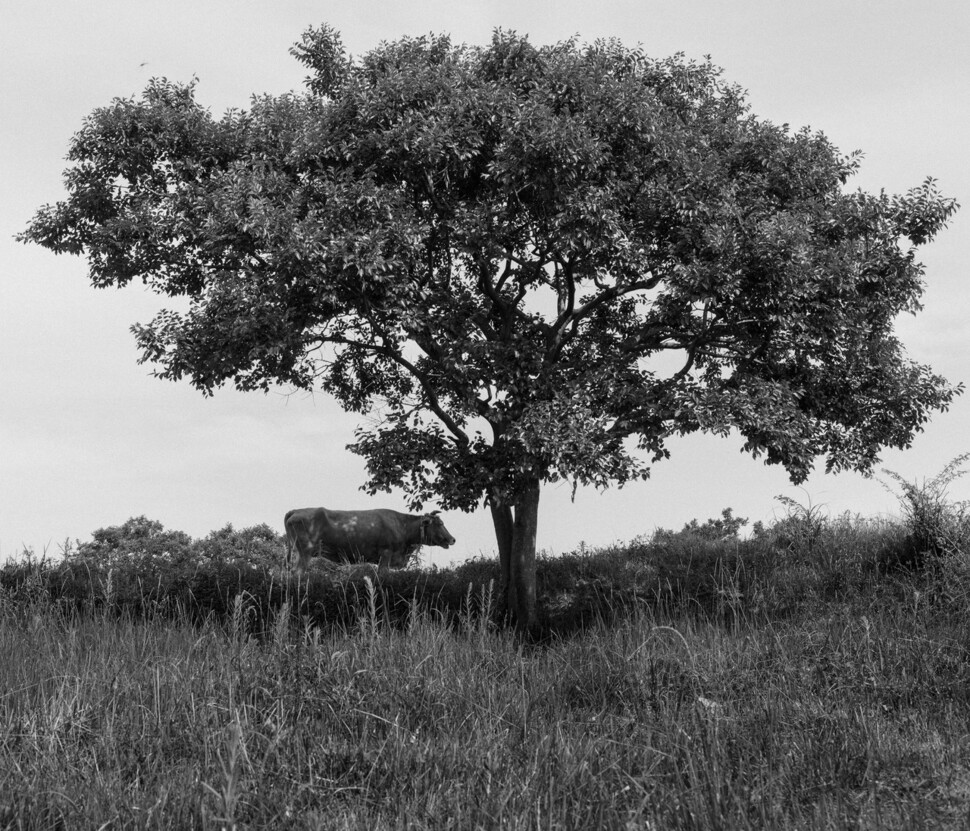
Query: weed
(937, 526)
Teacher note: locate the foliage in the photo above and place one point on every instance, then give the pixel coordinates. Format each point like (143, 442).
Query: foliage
(259, 546)
(138, 538)
(725, 527)
(143, 539)
(527, 260)
(937, 525)
(802, 528)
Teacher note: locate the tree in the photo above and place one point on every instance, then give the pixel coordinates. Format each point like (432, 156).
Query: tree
(531, 263)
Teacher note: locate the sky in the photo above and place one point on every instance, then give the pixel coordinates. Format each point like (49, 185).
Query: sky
(88, 438)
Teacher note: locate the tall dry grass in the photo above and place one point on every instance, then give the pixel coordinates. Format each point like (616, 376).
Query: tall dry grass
(807, 678)
(846, 714)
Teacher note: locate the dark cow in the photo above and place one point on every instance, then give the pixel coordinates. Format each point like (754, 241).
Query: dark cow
(379, 536)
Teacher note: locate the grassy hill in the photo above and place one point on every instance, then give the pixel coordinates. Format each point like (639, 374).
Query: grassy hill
(813, 675)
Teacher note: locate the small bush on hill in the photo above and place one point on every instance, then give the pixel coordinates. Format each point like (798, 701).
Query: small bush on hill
(937, 526)
(139, 539)
(725, 527)
(259, 546)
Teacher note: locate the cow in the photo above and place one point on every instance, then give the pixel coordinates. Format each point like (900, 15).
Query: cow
(383, 537)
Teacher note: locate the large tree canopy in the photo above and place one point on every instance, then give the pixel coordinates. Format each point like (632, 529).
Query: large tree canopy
(532, 263)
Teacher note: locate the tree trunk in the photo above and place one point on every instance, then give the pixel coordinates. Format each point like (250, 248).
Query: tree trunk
(502, 520)
(515, 533)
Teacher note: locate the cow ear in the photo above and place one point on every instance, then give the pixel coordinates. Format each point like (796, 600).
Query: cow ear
(426, 521)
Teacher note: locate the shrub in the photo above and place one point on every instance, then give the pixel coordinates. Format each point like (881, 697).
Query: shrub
(138, 539)
(258, 546)
(937, 526)
(705, 569)
(726, 527)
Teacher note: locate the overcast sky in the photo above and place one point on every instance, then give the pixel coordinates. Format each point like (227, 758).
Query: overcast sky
(88, 438)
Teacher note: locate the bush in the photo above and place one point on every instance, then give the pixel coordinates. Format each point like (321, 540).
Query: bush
(141, 569)
(139, 539)
(726, 527)
(937, 527)
(258, 546)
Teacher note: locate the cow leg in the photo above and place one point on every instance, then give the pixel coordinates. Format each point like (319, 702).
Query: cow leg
(302, 561)
(384, 564)
(296, 555)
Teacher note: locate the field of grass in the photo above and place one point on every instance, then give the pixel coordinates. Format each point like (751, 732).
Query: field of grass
(808, 678)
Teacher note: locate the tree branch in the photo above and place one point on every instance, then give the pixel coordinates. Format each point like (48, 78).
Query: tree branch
(613, 292)
(569, 316)
(434, 403)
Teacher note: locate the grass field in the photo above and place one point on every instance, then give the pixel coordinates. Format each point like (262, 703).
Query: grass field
(800, 680)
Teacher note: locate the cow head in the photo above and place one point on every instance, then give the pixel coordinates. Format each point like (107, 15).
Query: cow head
(433, 531)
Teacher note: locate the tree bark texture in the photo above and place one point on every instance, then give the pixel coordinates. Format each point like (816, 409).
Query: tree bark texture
(502, 520)
(515, 532)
